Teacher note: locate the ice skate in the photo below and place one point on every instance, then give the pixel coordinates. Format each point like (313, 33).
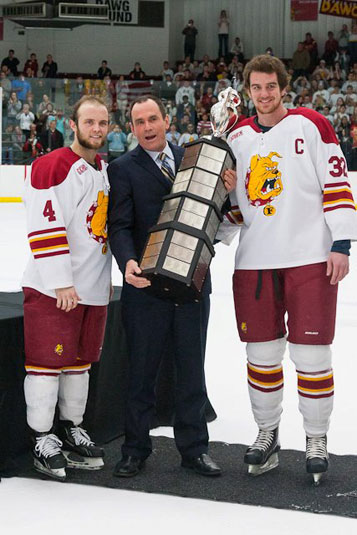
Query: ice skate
(47, 455)
(78, 448)
(262, 456)
(316, 457)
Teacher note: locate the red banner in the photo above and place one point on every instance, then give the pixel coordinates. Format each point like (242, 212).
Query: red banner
(339, 8)
(304, 9)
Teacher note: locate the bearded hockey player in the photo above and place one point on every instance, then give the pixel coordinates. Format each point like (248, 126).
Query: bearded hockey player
(299, 217)
(66, 291)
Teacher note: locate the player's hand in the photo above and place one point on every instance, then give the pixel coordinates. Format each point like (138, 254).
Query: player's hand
(132, 272)
(230, 180)
(67, 298)
(337, 267)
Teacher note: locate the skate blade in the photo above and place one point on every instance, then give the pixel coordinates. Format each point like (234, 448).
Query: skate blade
(259, 469)
(82, 463)
(59, 474)
(317, 478)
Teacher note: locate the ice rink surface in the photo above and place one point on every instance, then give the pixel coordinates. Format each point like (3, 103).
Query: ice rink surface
(57, 508)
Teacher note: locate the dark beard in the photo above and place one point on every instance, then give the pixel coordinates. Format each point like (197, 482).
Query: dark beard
(86, 144)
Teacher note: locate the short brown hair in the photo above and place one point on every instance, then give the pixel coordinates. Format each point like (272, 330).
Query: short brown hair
(267, 64)
(145, 98)
(84, 100)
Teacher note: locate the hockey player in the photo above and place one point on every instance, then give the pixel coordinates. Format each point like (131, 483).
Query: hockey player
(66, 290)
(299, 217)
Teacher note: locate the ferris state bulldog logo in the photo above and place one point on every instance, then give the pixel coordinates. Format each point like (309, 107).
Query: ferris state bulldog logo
(97, 220)
(263, 182)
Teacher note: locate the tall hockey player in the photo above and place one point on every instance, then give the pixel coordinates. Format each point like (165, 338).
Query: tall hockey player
(66, 291)
(299, 217)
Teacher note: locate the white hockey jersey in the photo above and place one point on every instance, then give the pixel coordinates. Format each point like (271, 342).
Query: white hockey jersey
(292, 190)
(66, 203)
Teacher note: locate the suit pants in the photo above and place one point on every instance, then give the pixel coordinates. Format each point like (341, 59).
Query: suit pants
(148, 323)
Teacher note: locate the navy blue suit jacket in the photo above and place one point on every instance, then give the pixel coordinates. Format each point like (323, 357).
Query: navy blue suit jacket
(137, 187)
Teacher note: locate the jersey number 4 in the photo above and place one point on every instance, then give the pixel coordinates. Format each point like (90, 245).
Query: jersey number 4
(49, 211)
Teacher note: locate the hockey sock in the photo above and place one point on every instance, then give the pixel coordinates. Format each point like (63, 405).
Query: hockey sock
(73, 394)
(266, 382)
(315, 386)
(41, 392)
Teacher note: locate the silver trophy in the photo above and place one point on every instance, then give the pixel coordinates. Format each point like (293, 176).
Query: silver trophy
(179, 248)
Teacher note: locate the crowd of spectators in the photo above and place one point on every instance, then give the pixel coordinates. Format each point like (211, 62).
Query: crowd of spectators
(36, 114)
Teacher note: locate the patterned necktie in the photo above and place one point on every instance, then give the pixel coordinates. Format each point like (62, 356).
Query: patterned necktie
(166, 168)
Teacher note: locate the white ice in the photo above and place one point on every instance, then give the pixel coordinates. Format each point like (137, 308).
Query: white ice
(57, 508)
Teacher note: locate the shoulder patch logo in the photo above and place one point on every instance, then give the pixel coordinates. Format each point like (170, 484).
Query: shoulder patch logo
(97, 220)
(80, 170)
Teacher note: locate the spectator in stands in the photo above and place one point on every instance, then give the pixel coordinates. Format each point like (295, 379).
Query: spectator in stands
(49, 68)
(167, 88)
(179, 75)
(77, 90)
(269, 51)
(321, 70)
(104, 70)
(172, 135)
(187, 75)
(190, 32)
(352, 42)
(223, 33)
(166, 71)
(311, 46)
(339, 115)
(187, 64)
(14, 106)
(51, 139)
(300, 84)
(350, 81)
(343, 38)
(185, 89)
(21, 86)
(288, 102)
(350, 99)
(185, 107)
(171, 109)
(11, 62)
(300, 62)
(337, 73)
(188, 136)
(62, 123)
(132, 141)
(237, 49)
(116, 143)
(346, 143)
(336, 97)
(43, 104)
(331, 49)
(206, 99)
(204, 124)
(32, 146)
(196, 69)
(7, 149)
(307, 102)
(31, 64)
(326, 113)
(5, 83)
(25, 118)
(137, 73)
(322, 93)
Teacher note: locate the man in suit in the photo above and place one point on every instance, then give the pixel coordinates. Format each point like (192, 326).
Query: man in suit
(138, 186)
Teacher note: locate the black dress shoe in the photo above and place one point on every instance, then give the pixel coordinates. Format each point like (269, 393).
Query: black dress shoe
(203, 465)
(128, 466)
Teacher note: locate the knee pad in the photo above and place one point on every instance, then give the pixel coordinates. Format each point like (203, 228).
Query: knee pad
(311, 358)
(266, 353)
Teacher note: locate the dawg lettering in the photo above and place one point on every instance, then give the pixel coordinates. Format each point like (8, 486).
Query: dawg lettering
(263, 181)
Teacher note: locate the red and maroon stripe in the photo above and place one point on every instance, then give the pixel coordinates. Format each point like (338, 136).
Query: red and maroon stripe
(267, 390)
(331, 196)
(315, 396)
(315, 385)
(338, 206)
(49, 242)
(48, 231)
(55, 253)
(265, 378)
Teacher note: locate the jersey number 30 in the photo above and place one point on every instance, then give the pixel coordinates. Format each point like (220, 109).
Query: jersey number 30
(49, 211)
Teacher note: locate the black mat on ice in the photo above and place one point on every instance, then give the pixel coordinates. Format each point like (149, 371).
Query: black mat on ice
(286, 487)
